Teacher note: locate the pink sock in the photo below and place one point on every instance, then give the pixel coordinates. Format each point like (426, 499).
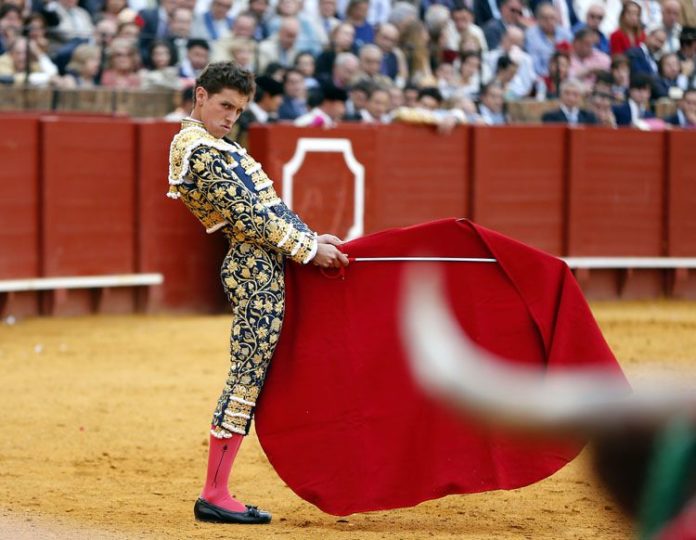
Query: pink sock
(220, 458)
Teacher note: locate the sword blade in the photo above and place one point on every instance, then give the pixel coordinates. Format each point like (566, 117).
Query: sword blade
(423, 259)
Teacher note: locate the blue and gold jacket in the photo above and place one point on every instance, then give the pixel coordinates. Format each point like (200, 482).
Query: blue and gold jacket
(224, 187)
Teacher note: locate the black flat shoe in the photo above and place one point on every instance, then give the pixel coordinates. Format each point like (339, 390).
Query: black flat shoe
(204, 511)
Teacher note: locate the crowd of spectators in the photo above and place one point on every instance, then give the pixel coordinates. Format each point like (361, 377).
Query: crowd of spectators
(374, 61)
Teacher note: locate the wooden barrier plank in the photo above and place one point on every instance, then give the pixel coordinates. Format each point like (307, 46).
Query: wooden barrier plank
(420, 175)
(519, 183)
(89, 206)
(616, 205)
(681, 214)
(19, 209)
(171, 241)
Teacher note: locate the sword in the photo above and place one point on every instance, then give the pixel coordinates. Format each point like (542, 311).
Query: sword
(422, 259)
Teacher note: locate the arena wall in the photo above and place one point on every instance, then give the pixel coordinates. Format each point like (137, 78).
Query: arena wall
(86, 196)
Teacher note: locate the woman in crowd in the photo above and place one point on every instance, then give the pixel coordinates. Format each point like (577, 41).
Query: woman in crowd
(342, 37)
(161, 72)
(559, 65)
(630, 32)
(13, 64)
(414, 42)
(671, 82)
(83, 69)
(471, 76)
(123, 64)
(305, 64)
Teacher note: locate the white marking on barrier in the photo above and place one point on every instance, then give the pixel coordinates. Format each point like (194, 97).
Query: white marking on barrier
(306, 145)
(80, 282)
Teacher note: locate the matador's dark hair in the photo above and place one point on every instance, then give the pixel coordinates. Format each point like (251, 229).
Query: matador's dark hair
(220, 75)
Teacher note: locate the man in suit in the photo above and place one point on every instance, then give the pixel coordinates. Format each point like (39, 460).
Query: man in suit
(570, 112)
(643, 58)
(637, 106)
(566, 11)
(280, 47)
(510, 15)
(214, 23)
(155, 23)
(685, 116)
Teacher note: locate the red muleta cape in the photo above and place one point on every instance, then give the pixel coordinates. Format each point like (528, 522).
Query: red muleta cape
(341, 418)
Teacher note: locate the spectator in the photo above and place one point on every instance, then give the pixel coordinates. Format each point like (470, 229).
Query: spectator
(345, 69)
(184, 108)
(600, 105)
(687, 52)
(13, 64)
(685, 117)
(37, 31)
(326, 21)
(377, 107)
(294, 102)
(378, 12)
(470, 80)
(442, 34)
(306, 65)
(512, 46)
(370, 64)
(510, 16)
(414, 42)
(402, 14)
(358, 95)
(240, 50)
(276, 71)
(559, 68)
(505, 72)
(393, 59)
(243, 29)
(330, 108)
(308, 38)
(10, 26)
(262, 110)
(282, 46)
(356, 15)
(123, 63)
(671, 82)
(463, 19)
(342, 39)
(75, 23)
(215, 23)
(197, 57)
(410, 96)
(542, 38)
(570, 112)
(637, 107)
(643, 58)
(111, 9)
(396, 98)
(593, 20)
(83, 68)
(671, 11)
(180, 30)
(161, 72)
(630, 32)
(492, 105)
(156, 22)
(128, 29)
(447, 80)
(567, 18)
(258, 9)
(485, 11)
(586, 60)
(621, 73)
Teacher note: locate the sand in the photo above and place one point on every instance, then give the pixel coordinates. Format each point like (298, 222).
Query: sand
(104, 436)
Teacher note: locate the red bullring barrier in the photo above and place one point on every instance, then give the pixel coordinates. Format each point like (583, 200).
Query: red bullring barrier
(20, 216)
(86, 196)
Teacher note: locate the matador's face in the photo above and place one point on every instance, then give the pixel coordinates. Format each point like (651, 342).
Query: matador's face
(219, 111)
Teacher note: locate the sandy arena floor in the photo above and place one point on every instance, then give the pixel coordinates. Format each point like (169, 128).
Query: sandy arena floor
(104, 436)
